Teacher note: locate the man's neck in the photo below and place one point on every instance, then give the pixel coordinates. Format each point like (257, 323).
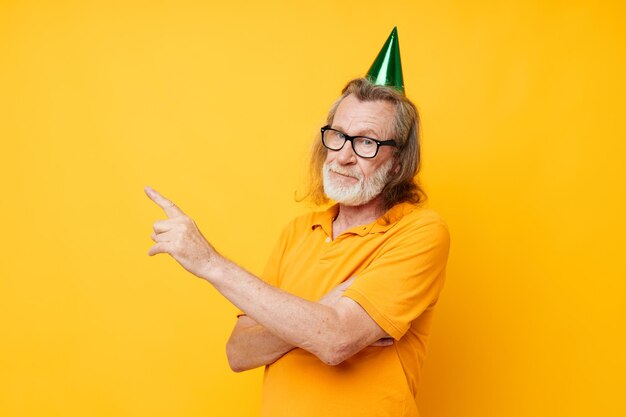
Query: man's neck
(352, 216)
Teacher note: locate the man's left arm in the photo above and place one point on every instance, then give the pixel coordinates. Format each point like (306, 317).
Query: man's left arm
(332, 333)
(251, 345)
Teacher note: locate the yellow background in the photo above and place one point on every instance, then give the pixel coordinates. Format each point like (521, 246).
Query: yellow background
(215, 104)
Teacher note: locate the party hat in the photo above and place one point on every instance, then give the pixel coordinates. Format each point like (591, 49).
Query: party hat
(387, 67)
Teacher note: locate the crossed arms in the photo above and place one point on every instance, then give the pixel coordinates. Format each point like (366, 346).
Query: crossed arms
(252, 345)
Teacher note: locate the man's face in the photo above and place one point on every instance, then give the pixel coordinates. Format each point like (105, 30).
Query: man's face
(348, 178)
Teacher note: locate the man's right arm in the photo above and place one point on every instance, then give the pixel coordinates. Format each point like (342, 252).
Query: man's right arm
(251, 345)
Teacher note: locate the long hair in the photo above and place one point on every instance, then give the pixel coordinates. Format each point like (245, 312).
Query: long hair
(402, 187)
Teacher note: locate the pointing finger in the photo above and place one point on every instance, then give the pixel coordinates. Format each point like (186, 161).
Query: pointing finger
(168, 207)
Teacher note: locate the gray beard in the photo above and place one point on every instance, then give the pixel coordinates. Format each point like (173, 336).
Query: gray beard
(358, 194)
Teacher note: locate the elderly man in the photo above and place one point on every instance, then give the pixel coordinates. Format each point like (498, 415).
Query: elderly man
(342, 313)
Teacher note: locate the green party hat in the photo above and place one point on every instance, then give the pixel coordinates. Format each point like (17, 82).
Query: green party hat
(387, 68)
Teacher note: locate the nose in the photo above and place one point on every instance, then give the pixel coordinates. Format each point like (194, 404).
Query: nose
(346, 155)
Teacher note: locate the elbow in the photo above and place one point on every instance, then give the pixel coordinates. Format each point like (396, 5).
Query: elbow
(336, 353)
(234, 361)
(335, 347)
(236, 366)
(333, 360)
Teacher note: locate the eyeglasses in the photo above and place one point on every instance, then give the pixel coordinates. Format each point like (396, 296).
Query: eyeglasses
(361, 145)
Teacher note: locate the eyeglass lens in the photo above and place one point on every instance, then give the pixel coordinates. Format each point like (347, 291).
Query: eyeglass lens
(362, 146)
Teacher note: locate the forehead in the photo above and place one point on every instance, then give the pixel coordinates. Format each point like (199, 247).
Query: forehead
(356, 117)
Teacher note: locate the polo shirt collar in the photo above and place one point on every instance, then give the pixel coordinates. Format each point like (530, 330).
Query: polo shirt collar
(324, 219)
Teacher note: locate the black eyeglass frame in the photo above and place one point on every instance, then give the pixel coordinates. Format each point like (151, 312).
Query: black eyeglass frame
(347, 138)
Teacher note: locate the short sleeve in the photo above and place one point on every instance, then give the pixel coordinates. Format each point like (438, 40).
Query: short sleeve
(407, 278)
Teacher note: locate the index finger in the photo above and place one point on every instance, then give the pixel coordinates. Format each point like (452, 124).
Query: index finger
(168, 207)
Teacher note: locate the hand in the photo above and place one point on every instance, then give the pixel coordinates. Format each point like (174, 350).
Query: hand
(179, 236)
(336, 293)
(385, 341)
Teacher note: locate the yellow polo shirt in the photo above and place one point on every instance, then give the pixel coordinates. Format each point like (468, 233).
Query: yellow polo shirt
(399, 261)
